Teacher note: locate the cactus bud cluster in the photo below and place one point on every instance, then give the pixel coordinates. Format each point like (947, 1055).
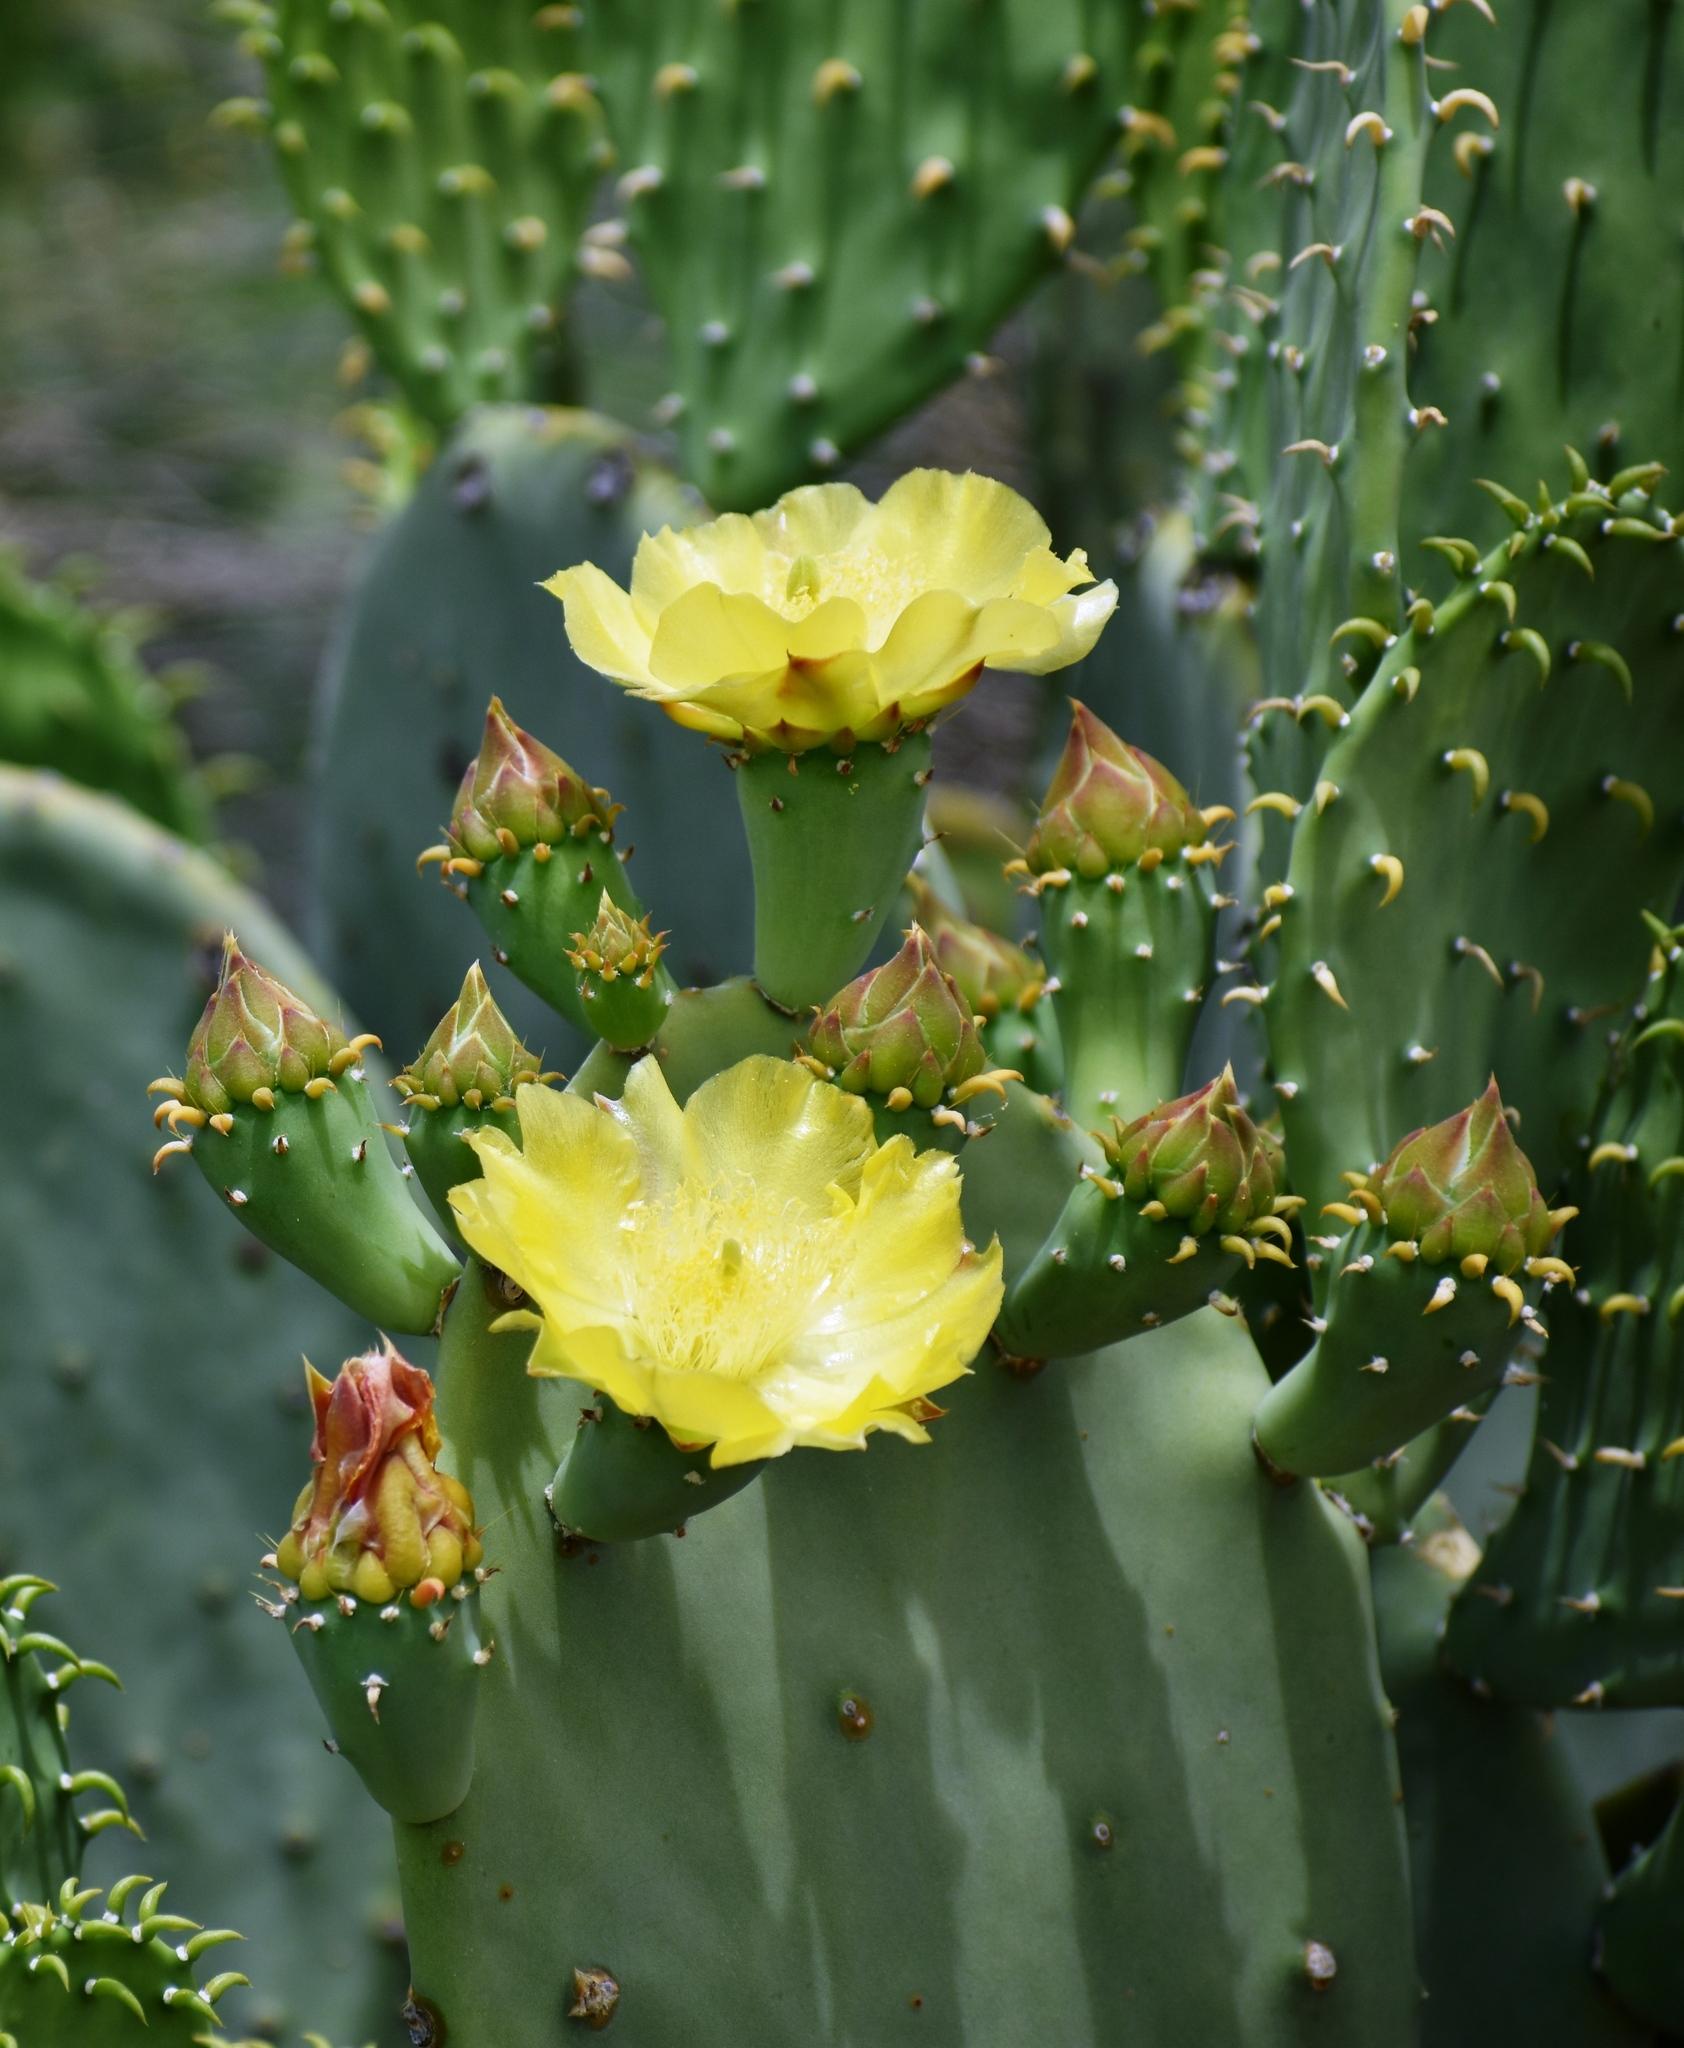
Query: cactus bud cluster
(1463, 1188)
(1200, 1159)
(517, 792)
(621, 987)
(256, 1035)
(474, 1058)
(901, 1031)
(991, 974)
(1109, 806)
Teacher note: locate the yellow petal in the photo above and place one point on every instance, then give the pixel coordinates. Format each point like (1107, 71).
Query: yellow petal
(604, 627)
(647, 1111)
(941, 640)
(1080, 620)
(1046, 577)
(728, 551)
(803, 703)
(835, 626)
(965, 533)
(816, 519)
(709, 635)
(778, 1125)
(547, 1213)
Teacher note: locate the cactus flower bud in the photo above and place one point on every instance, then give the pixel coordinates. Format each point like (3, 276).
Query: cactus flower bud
(623, 991)
(518, 787)
(1201, 1157)
(463, 1078)
(273, 1106)
(378, 1577)
(530, 847)
(254, 1034)
(1428, 1299)
(1463, 1187)
(474, 1056)
(379, 1518)
(903, 1025)
(990, 973)
(1194, 1194)
(1107, 805)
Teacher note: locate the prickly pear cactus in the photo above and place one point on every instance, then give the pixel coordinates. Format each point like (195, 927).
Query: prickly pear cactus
(441, 161)
(95, 901)
(833, 210)
(449, 613)
(74, 698)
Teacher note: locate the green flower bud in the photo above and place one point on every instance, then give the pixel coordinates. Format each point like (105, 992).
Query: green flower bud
(902, 1026)
(622, 989)
(1109, 806)
(1463, 1188)
(1201, 1158)
(518, 793)
(256, 1035)
(474, 1059)
(990, 973)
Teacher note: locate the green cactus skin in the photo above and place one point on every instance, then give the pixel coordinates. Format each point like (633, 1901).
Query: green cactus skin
(1573, 1603)
(400, 1699)
(1637, 1933)
(448, 615)
(834, 211)
(1187, 1199)
(74, 698)
(779, 1645)
(1553, 326)
(76, 1975)
(239, 1804)
(624, 1478)
(42, 1835)
(1388, 1365)
(316, 1182)
(830, 839)
(1497, 763)
(1505, 1865)
(441, 160)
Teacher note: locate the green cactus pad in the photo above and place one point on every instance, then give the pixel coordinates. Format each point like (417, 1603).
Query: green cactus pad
(623, 1478)
(1577, 1600)
(441, 161)
(829, 838)
(1437, 923)
(239, 1804)
(400, 1686)
(94, 1970)
(43, 1835)
(834, 214)
(1495, 1811)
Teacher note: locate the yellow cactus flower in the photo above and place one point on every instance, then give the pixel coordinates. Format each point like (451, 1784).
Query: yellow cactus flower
(753, 1271)
(829, 618)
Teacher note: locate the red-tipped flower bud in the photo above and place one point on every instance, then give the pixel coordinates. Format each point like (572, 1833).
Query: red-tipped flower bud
(903, 1025)
(255, 1033)
(1108, 805)
(1201, 1157)
(379, 1517)
(517, 793)
(1464, 1187)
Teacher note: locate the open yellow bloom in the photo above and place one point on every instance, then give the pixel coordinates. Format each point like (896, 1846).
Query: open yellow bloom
(831, 618)
(754, 1271)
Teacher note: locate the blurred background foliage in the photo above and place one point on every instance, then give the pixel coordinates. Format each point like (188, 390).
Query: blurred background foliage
(189, 431)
